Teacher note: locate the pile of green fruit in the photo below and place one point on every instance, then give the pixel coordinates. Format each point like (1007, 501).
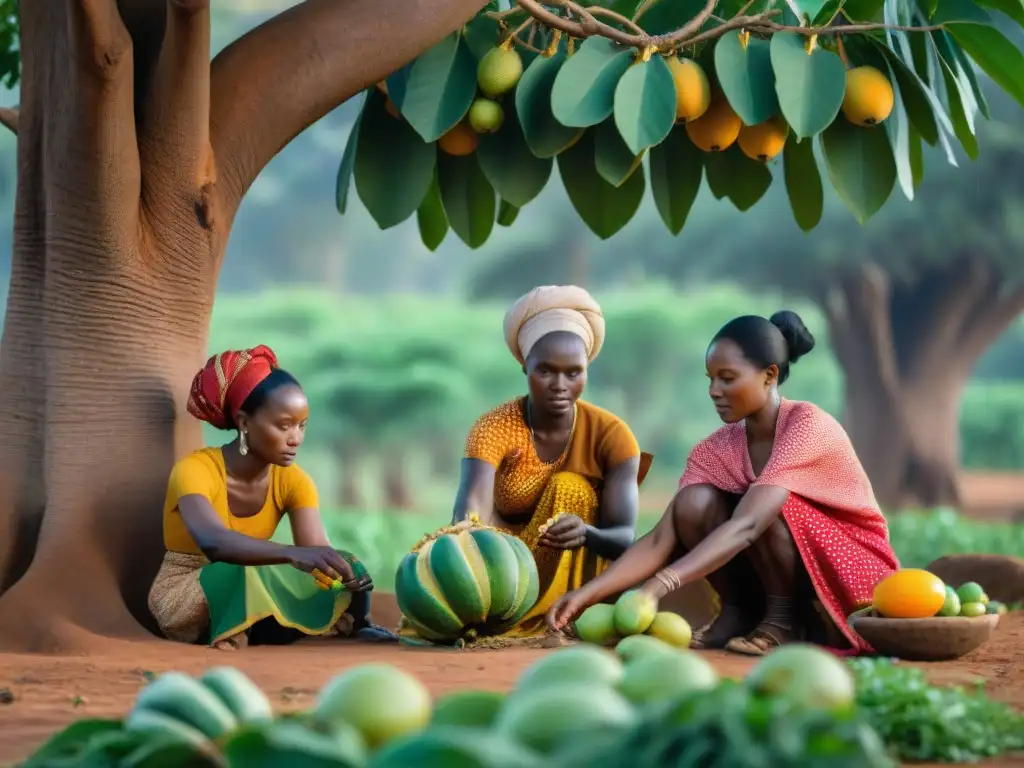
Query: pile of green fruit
(647, 704)
(969, 600)
(634, 613)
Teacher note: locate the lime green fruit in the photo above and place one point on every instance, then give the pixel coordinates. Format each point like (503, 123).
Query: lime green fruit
(995, 607)
(634, 612)
(661, 677)
(381, 701)
(973, 609)
(499, 71)
(597, 624)
(984, 599)
(637, 647)
(672, 628)
(971, 592)
(952, 605)
(805, 674)
(476, 709)
(579, 664)
(541, 719)
(486, 116)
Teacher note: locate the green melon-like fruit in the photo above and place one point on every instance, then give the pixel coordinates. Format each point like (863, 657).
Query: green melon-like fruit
(597, 624)
(241, 695)
(995, 607)
(660, 677)
(579, 664)
(486, 116)
(971, 592)
(541, 719)
(499, 71)
(805, 674)
(672, 628)
(634, 612)
(641, 646)
(952, 605)
(381, 701)
(478, 580)
(476, 709)
(451, 747)
(184, 698)
(973, 609)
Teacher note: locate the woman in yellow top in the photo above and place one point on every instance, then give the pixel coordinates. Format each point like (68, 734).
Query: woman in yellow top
(552, 454)
(223, 581)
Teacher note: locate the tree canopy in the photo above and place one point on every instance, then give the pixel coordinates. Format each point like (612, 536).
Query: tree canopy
(721, 91)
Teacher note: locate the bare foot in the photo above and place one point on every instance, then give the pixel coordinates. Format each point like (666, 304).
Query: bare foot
(732, 621)
(236, 643)
(765, 638)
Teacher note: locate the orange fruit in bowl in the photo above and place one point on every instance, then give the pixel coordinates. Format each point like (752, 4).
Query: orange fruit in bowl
(910, 593)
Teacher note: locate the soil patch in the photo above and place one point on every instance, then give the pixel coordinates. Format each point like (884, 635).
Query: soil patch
(51, 691)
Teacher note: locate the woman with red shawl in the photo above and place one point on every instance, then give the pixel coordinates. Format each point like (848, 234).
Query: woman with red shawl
(223, 581)
(774, 508)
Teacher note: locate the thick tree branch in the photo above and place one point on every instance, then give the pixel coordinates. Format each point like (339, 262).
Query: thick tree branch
(9, 119)
(175, 139)
(99, 38)
(289, 72)
(990, 321)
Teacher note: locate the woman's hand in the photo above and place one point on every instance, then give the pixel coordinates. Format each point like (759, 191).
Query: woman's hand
(567, 609)
(327, 561)
(567, 532)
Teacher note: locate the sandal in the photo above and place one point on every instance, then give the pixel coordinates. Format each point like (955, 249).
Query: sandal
(761, 641)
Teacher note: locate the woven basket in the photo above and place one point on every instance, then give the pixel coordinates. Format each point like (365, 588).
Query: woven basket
(935, 639)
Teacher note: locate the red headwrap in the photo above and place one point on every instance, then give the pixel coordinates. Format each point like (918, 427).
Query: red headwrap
(227, 379)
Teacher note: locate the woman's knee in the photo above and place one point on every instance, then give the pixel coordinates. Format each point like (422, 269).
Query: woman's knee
(697, 510)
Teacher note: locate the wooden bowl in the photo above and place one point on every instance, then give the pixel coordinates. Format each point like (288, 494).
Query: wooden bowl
(936, 639)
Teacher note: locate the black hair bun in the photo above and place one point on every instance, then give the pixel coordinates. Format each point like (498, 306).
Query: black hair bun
(799, 340)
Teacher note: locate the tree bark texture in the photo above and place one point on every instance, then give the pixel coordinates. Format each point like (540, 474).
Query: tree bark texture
(907, 350)
(134, 153)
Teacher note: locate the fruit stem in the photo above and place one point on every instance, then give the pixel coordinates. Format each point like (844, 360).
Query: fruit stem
(841, 50)
(556, 38)
(811, 44)
(646, 53)
(744, 38)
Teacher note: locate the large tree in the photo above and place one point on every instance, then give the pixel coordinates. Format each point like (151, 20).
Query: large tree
(134, 153)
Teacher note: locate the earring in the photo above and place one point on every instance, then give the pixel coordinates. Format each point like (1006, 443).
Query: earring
(243, 444)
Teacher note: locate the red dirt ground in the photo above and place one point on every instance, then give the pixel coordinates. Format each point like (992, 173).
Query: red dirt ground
(51, 691)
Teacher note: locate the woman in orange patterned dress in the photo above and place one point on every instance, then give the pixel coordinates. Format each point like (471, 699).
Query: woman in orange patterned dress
(552, 455)
(774, 509)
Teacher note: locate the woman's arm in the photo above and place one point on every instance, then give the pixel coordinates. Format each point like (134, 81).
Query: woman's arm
(222, 545)
(756, 511)
(476, 492)
(308, 528)
(620, 502)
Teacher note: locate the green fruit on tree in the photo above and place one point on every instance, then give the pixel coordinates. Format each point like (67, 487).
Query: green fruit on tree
(660, 677)
(971, 592)
(542, 719)
(672, 628)
(952, 605)
(499, 71)
(973, 609)
(805, 674)
(597, 624)
(381, 701)
(634, 612)
(641, 646)
(450, 747)
(579, 664)
(444, 595)
(486, 116)
(477, 709)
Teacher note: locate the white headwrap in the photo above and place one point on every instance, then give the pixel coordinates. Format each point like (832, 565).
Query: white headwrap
(550, 308)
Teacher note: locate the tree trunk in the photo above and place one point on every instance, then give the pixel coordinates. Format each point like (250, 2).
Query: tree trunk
(349, 490)
(397, 493)
(907, 351)
(134, 153)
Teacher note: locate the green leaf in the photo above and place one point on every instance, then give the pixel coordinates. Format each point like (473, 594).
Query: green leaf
(72, 741)
(898, 128)
(584, 91)
(913, 94)
(347, 165)
(435, 90)
(997, 56)
(968, 69)
(645, 104)
(1012, 8)
(860, 165)
(863, 10)
(603, 208)
(916, 152)
(516, 174)
(545, 136)
(810, 86)
(803, 183)
(746, 77)
(810, 8)
(665, 16)
(507, 213)
(431, 218)
(961, 124)
(676, 168)
(467, 196)
(393, 167)
(613, 159)
(959, 10)
(481, 34)
(294, 744)
(828, 11)
(737, 177)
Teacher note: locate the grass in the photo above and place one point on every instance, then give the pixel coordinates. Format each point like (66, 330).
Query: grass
(380, 538)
